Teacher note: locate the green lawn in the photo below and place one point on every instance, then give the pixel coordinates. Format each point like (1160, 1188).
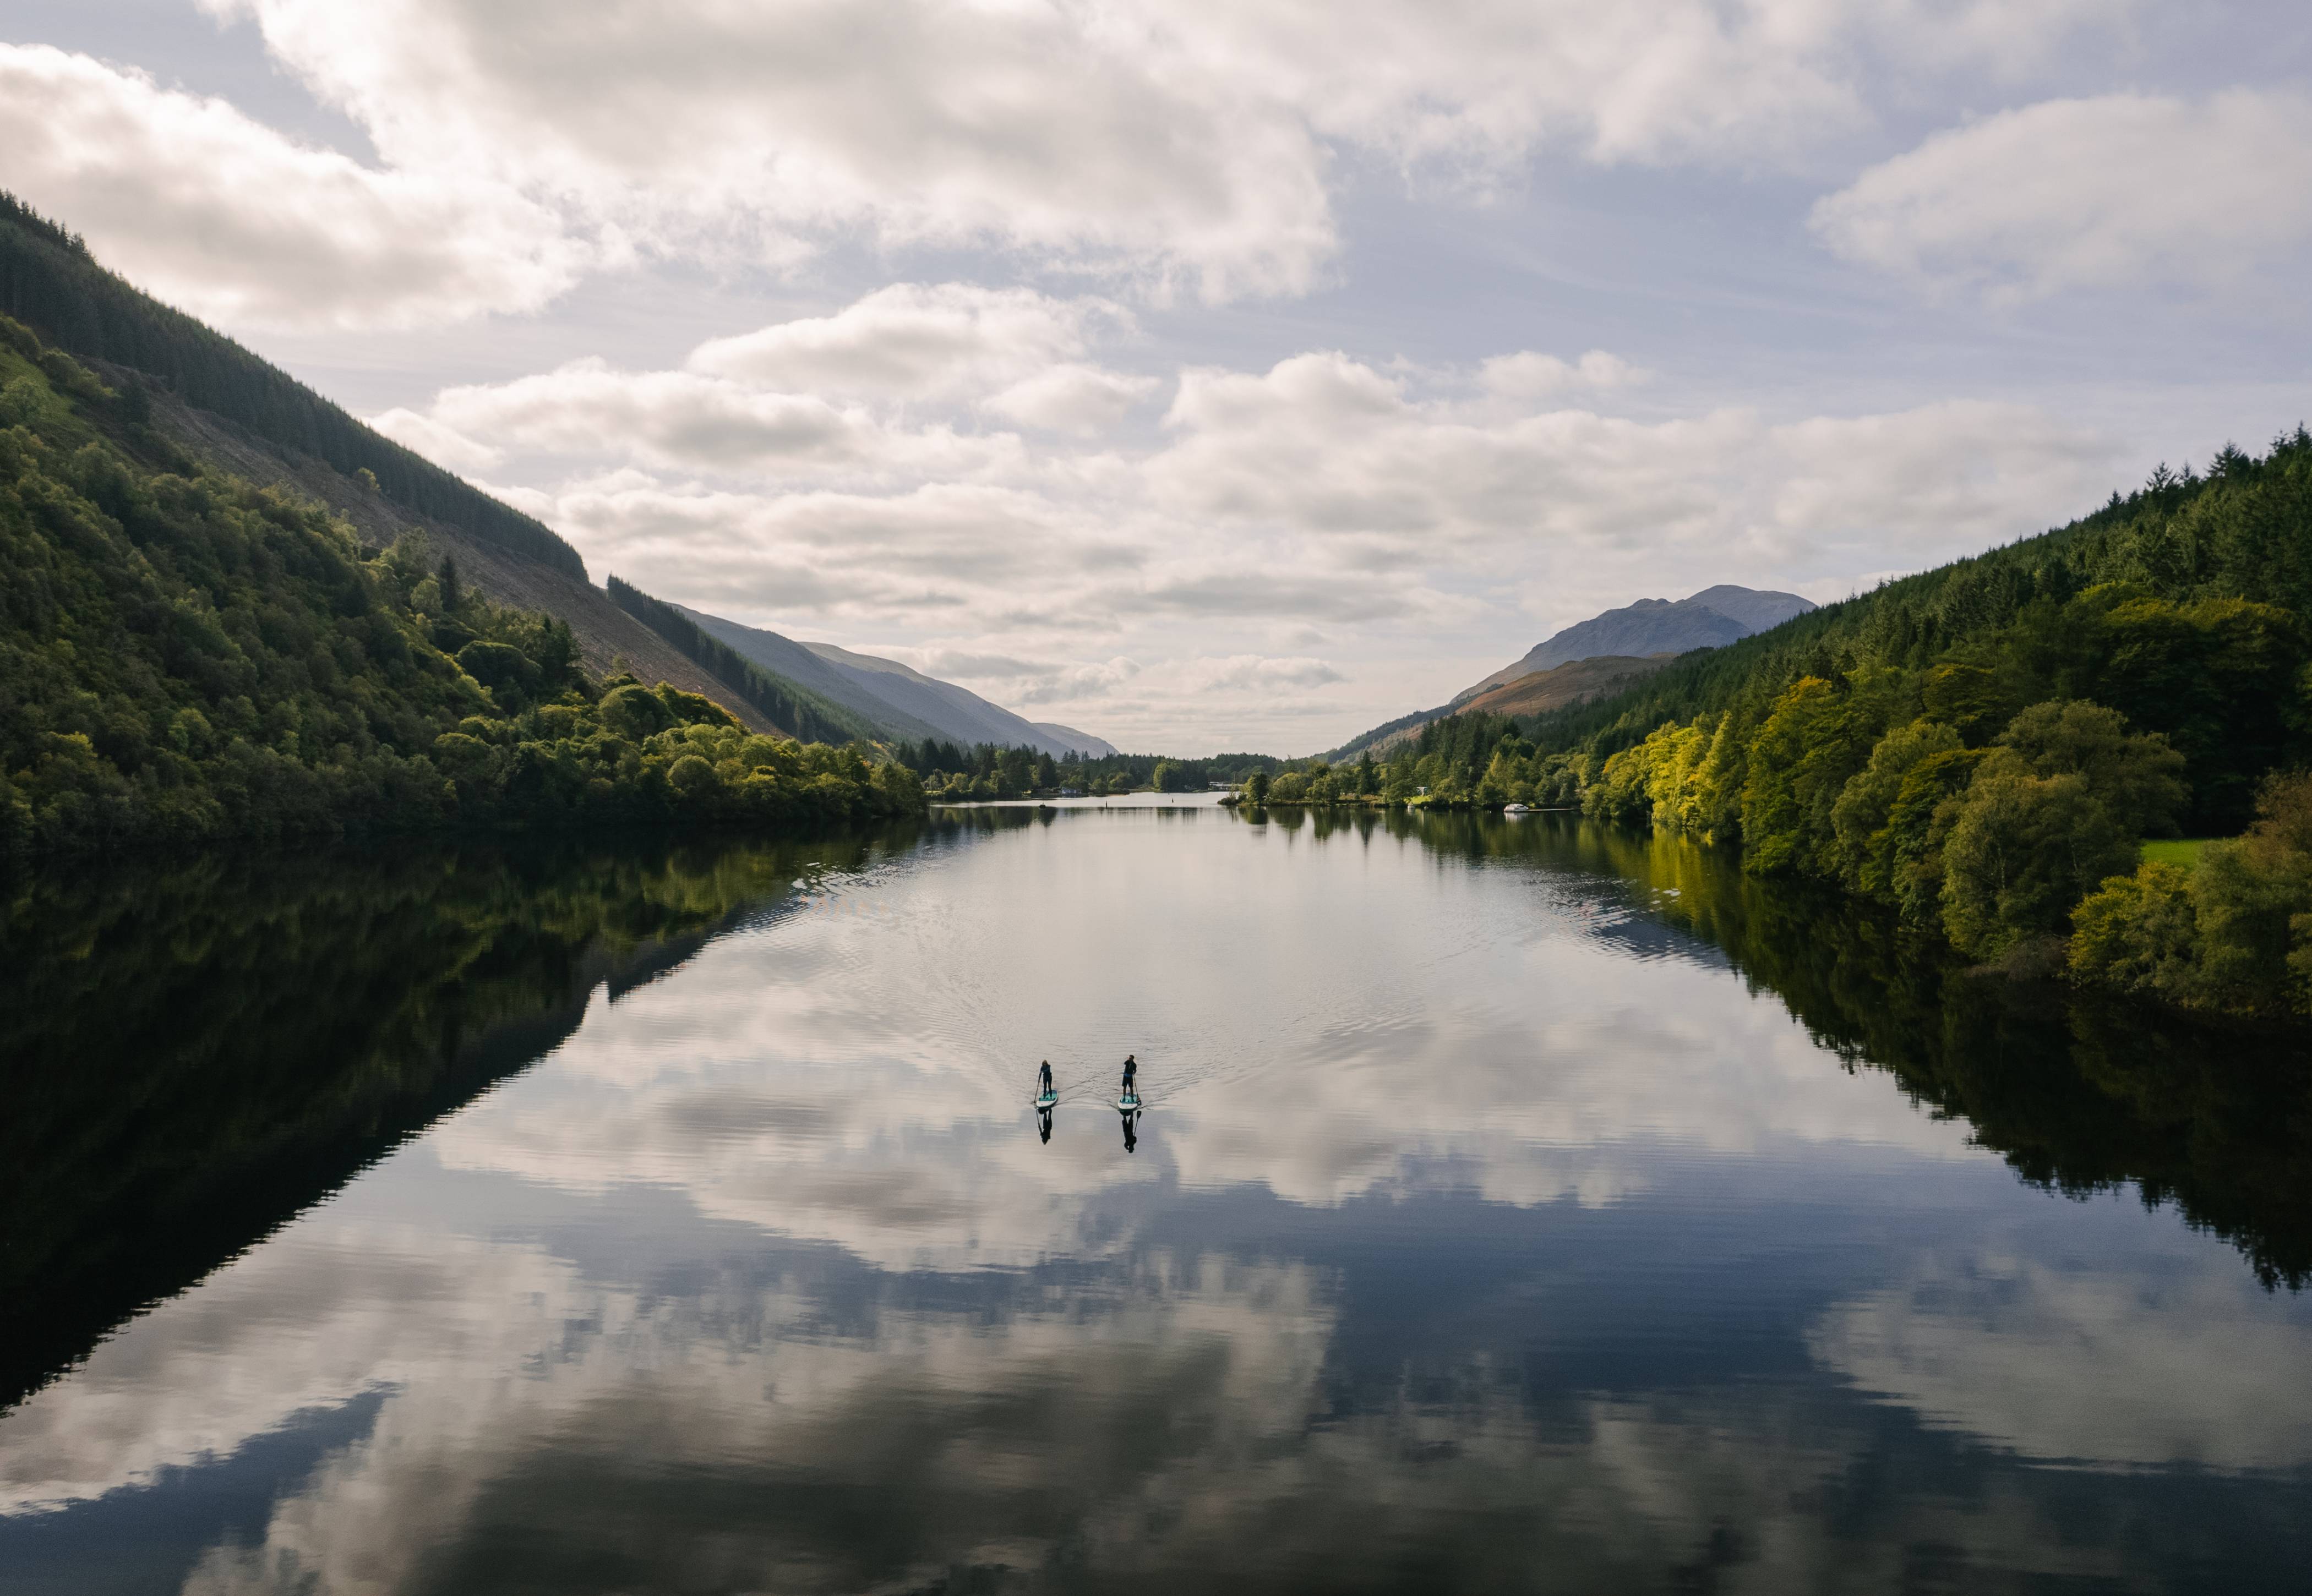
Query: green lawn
(2176, 850)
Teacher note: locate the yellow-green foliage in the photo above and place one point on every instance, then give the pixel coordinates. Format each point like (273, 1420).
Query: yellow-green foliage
(1461, 761)
(2234, 933)
(1981, 744)
(2182, 852)
(1863, 781)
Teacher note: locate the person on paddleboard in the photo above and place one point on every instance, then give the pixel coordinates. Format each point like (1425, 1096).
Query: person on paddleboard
(1044, 1080)
(1131, 1078)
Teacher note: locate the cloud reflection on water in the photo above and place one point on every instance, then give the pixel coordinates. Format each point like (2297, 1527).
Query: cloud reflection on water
(1468, 1240)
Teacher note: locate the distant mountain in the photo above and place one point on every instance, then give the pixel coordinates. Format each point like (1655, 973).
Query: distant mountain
(1577, 681)
(961, 716)
(1536, 693)
(897, 702)
(1641, 636)
(1710, 619)
(1083, 742)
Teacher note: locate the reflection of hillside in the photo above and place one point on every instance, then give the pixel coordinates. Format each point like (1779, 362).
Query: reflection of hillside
(2078, 1094)
(194, 1054)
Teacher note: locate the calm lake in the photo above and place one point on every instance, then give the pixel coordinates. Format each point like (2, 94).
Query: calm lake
(1515, 1206)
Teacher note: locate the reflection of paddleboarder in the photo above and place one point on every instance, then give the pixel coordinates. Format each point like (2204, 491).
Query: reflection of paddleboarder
(1131, 1135)
(1043, 1123)
(1131, 1078)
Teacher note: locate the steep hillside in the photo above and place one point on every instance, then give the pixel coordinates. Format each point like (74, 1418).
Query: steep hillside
(1650, 627)
(897, 702)
(1577, 681)
(187, 656)
(957, 714)
(785, 701)
(49, 283)
(228, 409)
(804, 665)
(1079, 742)
(1536, 693)
(1710, 619)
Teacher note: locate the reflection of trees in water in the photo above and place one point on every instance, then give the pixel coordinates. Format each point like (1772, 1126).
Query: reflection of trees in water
(2078, 1093)
(193, 1053)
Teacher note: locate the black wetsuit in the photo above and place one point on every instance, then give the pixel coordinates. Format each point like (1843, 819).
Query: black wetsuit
(1131, 1073)
(1044, 1083)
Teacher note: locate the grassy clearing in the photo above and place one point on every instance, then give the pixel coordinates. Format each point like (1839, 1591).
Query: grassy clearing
(2176, 850)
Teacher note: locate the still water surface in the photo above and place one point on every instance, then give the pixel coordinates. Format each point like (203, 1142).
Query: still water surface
(1515, 1206)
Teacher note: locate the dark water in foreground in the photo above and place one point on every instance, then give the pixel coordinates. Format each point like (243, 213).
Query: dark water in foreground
(1515, 1207)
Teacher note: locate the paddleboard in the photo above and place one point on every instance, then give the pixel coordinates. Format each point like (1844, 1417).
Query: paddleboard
(1047, 1099)
(1127, 1104)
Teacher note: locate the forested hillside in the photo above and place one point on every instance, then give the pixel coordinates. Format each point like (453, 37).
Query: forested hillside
(232, 411)
(1985, 746)
(785, 703)
(185, 656)
(49, 283)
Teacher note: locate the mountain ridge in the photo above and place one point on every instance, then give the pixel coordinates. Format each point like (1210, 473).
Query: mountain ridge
(900, 701)
(1650, 630)
(1709, 619)
(902, 685)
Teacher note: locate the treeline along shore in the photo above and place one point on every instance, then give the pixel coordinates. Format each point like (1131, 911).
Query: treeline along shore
(1987, 747)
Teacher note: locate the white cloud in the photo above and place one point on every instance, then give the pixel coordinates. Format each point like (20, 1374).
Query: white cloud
(1080, 682)
(793, 399)
(1177, 145)
(941, 551)
(1052, 130)
(1084, 400)
(683, 421)
(1528, 375)
(2114, 192)
(673, 418)
(915, 341)
(1321, 444)
(225, 217)
(443, 445)
(1258, 673)
(1322, 491)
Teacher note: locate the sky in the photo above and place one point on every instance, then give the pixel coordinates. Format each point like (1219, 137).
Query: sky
(1222, 374)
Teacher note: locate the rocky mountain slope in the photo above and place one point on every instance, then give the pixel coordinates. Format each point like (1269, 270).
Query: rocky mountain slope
(1615, 647)
(1710, 619)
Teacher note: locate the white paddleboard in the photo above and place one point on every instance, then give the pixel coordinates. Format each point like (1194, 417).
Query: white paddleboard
(1127, 1104)
(1047, 1099)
